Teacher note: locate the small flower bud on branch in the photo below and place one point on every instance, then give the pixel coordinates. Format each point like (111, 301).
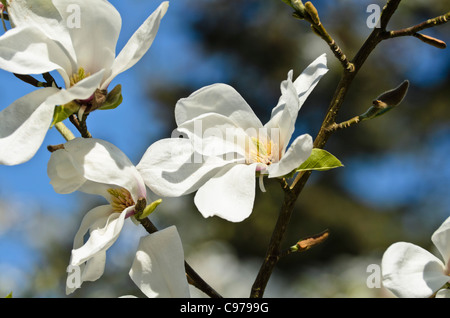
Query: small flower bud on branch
(308, 242)
(382, 104)
(430, 40)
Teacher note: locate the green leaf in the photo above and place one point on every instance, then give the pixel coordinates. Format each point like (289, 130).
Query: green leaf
(113, 99)
(320, 160)
(9, 295)
(64, 111)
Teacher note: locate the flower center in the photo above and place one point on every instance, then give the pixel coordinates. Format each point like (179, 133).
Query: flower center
(120, 199)
(261, 151)
(80, 75)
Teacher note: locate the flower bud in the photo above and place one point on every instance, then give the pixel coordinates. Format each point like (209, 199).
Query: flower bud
(386, 101)
(312, 11)
(392, 97)
(431, 41)
(149, 209)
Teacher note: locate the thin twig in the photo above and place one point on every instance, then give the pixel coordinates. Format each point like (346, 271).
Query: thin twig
(80, 125)
(29, 80)
(319, 29)
(418, 27)
(414, 31)
(64, 131)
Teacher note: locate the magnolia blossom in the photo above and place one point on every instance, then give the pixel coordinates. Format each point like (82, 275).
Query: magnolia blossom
(227, 146)
(411, 271)
(77, 38)
(96, 167)
(158, 267)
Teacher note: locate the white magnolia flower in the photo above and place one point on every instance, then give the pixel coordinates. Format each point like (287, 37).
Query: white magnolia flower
(227, 146)
(77, 38)
(158, 267)
(96, 167)
(411, 271)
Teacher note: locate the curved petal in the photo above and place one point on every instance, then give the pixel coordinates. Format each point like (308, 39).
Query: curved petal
(230, 194)
(97, 161)
(305, 82)
(26, 50)
(158, 267)
(293, 95)
(104, 227)
(217, 98)
(285, 120)
(64, 173)
(443, 293)
(441, 239)
(309, 78)
(207, 124)
(94, 50)
(170, 167)
(214, 135)
(43, 16)
(297, 153)
(138, 44)
(410, 271)
(23, 126)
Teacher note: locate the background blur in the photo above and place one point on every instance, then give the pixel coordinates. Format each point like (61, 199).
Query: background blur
(394, 186)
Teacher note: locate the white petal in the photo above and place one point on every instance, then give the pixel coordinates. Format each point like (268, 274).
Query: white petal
(26, 50)
(284, 115)
(215, 135)
(411, 271)
(64, 173)
(220, 99)
(230, 194)
(297, 153)
(441, 239)
(305, 82)
(94, 50)
(43, 16)
(285, 121)
(443, 293)
(170, 167)
(139, 43)
(158, 267)
(90, 252)
(23, 126)
(104, 227)
(97, 161)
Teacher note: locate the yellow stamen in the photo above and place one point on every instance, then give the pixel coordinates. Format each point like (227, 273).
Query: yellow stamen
(263, 152)
(75, 78)
(120, 199)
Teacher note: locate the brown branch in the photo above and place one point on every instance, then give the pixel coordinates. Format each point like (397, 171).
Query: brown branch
(80, 126)
(192, 276)
(419, 27)
(29, 80)
(414, 31)
(312, 16)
